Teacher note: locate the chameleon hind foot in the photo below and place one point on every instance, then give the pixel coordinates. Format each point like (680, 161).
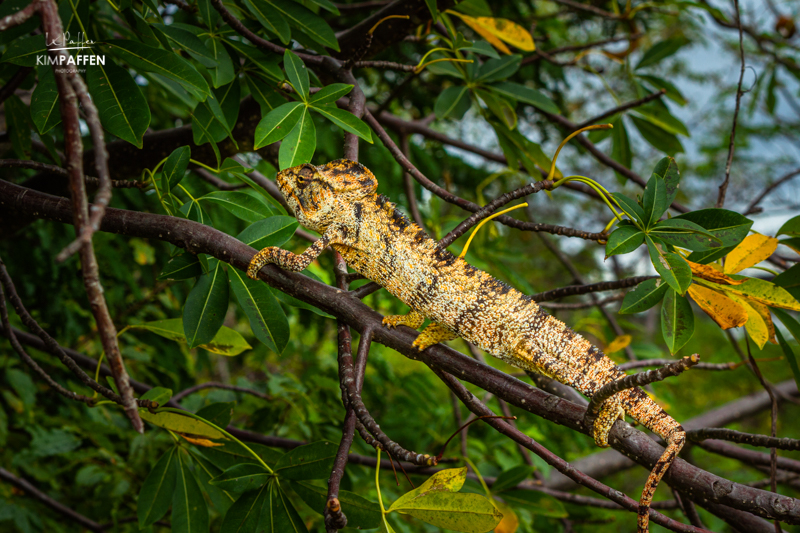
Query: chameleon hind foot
(434, 334)
(413, 320)
(610, 412)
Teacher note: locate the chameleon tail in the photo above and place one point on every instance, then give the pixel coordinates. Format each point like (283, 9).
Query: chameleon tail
(674, 444)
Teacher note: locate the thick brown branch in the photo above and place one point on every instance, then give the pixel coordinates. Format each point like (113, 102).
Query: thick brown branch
(204, 239)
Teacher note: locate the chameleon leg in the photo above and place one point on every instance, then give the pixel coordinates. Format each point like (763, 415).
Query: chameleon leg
(413, 320)
(609, 413)
(674, 444)
(434, 334)
(294, 262)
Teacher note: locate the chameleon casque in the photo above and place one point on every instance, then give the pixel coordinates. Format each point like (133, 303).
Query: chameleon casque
(339, 201)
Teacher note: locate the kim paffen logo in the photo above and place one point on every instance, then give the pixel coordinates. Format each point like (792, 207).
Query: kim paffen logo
(64, 42)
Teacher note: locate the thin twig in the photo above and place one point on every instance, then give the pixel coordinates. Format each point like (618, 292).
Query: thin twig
(639, 380)
(61, 171)
(583, 305)
(216, 385)
(743, 438)
(12, 84)
(624, 107)
(723, 188)
(663, 361)
(771, 187)
(385, 65)
(408, 185)
(574, 290)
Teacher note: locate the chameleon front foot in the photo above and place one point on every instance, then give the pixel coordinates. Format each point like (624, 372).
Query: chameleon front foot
(610, 412)
(434, 334)
(274, 255)
(413, 320)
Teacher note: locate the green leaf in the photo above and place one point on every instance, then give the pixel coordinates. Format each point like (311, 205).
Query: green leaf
(361, 513)
(143, 57)
(654, 201)
(728, 226)
(22, 385)
(672, 267)
(175, 167)
(19, 124)
(791, 227)
(621, 147)
(470, 513)
(499, 69)
(673, 93)
(307, 22)
(219, 413)
(160, 395)
(667, 168)
(155, 495)
(223, 73)
(483, 48)
(658, 114)
(310, 461)
(278, 123)
(644, 296)
(189, 42)
(298, 147)
(660, 51)
(686, 234)
(791, 358)
(623, 240)
(45, 109)
(347, 121)
(181, 424)
(536, 502)
(294, 302)
(226, 342)
(658, 138)
(524, 94)
(327, 6)
(243, 477)
(267, 64)
(297, 74)
(122, 108)
(23, 51)
(192, 211)
(189, 509)
(248, 207)
(511, 478)
(631, 208)
(205, 307)
(500, 107)
(270, 19)
(448, 480)
(265, 314)
(330, 93)
(677, 320)
(453, 101)
(272, 231)
(790, 280)
(281, 515)
(208, 13)
(244, 516)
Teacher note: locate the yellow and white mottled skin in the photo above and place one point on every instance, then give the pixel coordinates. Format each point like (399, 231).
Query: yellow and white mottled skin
(339, 201)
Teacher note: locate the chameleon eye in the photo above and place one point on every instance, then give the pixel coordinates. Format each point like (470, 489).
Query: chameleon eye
(306, 173)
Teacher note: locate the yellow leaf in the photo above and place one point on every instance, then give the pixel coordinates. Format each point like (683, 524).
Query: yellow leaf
(763, 310)
(755, 326)
(201, 442)
(751, 251)
(711, 273)
(617, 344)
(723, 310)
(510, 522)
(499, 28)
(494, 41)
(761, 291)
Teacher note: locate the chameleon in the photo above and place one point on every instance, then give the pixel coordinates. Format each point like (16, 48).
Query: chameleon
(339, 200)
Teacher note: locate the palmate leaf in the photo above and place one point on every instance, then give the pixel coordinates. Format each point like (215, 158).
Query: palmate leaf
(189, 509)
(298, 147)
(242, 478)
(347, 121)
(297, 74)
(677, 320)
(310, 461)
(267, 320)
(245, 514)
(156, 492)
(278, 124)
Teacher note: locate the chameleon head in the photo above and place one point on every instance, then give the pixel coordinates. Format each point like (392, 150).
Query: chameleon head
(319, 194)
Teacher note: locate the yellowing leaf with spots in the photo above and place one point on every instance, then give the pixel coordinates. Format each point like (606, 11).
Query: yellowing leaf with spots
(751, 251)
(723, 310)
(449, 480)
(763, 311)
(760, 291)
(620, 343)
(712, 273)
(498, 29)
(181, 424)
(510, 521)
(756, 327)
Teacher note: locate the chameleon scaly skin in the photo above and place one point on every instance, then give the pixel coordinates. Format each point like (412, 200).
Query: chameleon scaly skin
(339, 201)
